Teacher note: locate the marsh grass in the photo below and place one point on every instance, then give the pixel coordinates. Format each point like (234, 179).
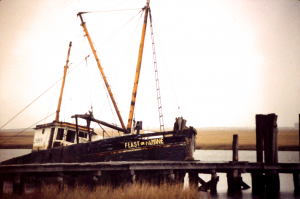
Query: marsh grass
(136, 191)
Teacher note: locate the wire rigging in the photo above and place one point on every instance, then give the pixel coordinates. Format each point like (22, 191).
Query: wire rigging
(90, 12)
(121, 60)
(39, 96)
(160, 112)
(119, 29)
(27, 128)
(168, 72)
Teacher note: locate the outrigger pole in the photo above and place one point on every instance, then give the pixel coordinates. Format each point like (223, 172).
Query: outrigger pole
(101, 70)
(63, 84)
(138, 69)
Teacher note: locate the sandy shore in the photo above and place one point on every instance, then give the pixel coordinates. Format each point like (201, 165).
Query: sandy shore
(207, 138)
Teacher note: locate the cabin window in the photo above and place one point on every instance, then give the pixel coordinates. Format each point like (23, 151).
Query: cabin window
(70, 136)
(82, 134)
(60, 134)
(43, 131)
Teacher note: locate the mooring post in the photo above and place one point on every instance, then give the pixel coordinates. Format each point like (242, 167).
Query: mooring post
(233, 181)
(235, 148)
(259, 137)
(60, 182)
(193, 179)
(17, 183)
(296, 177)
(133, 176)
(258, 183)
(271, 157)
(296, 180)
(233, 176)
(1, 186)
(214, 181)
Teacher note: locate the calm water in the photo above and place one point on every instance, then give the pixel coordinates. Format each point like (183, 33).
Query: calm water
(286, 180)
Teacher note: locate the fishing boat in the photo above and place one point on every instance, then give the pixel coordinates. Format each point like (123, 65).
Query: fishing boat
(62, 142)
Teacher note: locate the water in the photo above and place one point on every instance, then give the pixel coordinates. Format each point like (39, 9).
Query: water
(286, 180)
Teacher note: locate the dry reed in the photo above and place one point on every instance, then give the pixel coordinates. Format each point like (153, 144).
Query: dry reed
(136, 191)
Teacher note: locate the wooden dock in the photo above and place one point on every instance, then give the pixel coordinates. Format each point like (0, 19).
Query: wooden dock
(174, 171)
(195, 166)
(264, 172)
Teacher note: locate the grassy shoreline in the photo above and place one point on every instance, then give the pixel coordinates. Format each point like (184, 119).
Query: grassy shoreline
(207, 139)
(145, 191)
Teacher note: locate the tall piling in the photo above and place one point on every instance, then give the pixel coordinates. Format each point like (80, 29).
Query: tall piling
(271, 153)
(234, 178)
(296, 177)
(258, 184)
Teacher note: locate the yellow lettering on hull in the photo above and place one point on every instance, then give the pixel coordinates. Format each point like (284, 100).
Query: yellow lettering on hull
(135, 144)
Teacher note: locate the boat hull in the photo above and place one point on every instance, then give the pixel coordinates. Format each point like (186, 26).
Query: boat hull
(172, 146)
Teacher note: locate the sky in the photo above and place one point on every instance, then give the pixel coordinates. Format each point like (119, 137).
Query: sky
(220, 61)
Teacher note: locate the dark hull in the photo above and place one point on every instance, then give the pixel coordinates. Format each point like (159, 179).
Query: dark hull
(173, 146)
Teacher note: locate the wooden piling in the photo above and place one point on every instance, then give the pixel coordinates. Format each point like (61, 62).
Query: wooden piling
(214, 181)
(193, 179)
(235, 153)
(1, 185)
(259, 137)
(271, 153)
(17, 184)
(233, 181)
(258, 182)
(296, 179)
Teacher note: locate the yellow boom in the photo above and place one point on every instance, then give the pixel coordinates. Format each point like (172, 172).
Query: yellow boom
(101, 70)
(138, 69)
(63, 85)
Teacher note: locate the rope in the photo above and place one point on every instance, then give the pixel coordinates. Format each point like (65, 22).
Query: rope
(121, 62)
(103, 130)
(119, 30)
(168, 73)
(110, 10)
(51, 104)
(40, 95)
(89, 83)
(27, 128)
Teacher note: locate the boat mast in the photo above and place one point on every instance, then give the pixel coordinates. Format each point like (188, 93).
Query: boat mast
(138, 69)
(101, 69)
(63, 84)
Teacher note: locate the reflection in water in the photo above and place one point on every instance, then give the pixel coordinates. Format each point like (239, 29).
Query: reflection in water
(286, 180)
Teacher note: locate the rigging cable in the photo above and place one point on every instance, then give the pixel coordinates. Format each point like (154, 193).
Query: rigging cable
(39, 96)
(110, 10)
(88, 74)
(60, 78)
(51, 104)
(160, 112)
(122, 58)
(168, 72)
(27, 128)
(119, 30)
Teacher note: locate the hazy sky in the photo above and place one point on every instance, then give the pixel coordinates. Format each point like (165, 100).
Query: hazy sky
(227, 60)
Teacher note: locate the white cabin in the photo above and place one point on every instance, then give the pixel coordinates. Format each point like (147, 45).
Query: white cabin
(60, 134)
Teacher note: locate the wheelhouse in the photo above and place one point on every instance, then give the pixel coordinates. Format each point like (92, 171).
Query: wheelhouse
(57, 134)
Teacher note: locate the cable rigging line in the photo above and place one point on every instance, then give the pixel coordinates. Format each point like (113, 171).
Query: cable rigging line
(119, 30)
(90, 12)
(62, 77)
(121, 60)
(160, 112)
(27, 128)
(168, 72)
(40, 96)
